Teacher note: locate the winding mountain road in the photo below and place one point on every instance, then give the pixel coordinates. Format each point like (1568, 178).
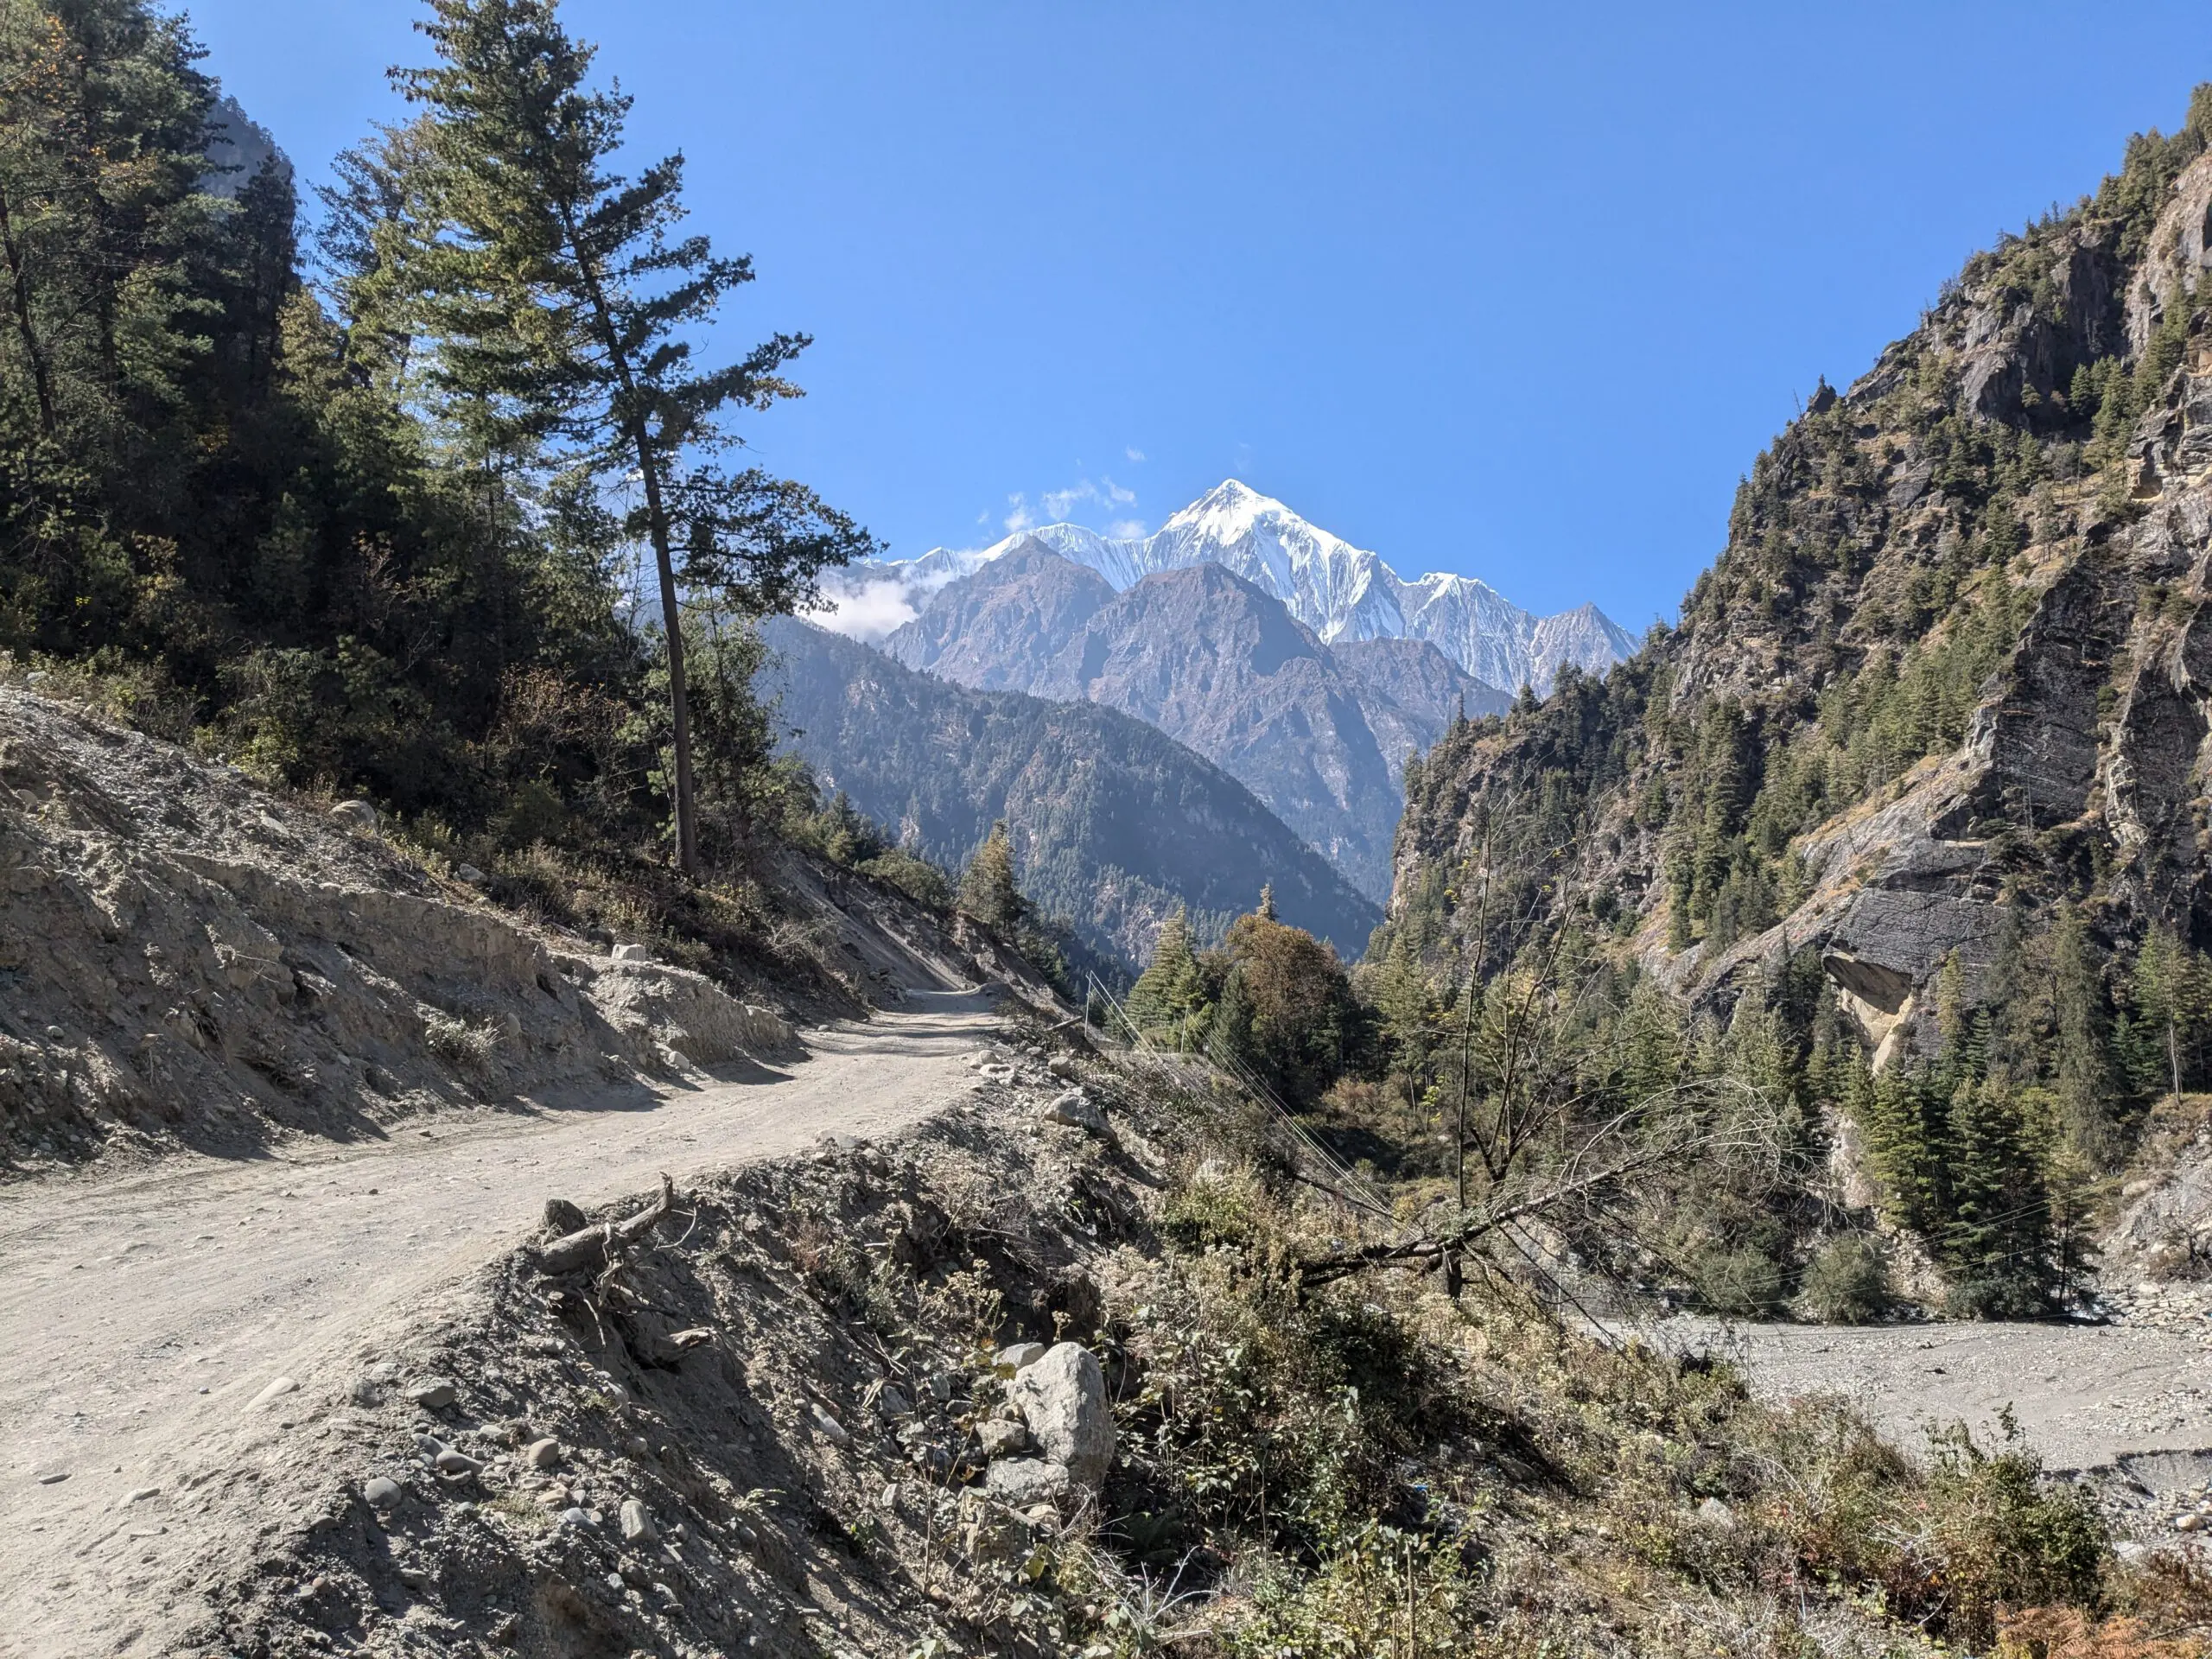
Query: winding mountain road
(144, 1318)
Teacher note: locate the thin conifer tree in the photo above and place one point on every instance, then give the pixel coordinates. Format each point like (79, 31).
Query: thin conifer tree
(562, 300)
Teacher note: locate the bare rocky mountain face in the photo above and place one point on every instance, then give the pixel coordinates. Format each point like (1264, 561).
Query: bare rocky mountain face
(1950, 681)
(1340, 592)
(1116, 824)
(1318, 733)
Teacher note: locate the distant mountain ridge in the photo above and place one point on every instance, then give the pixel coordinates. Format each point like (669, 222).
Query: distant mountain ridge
(1341, 591)
(1115, 825)
(1321, 734)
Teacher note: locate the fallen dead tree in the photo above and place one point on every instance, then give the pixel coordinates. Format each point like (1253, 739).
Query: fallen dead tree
(594, 1247)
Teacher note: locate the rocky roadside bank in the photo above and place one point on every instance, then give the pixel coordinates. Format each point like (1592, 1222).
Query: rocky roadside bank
(776, 1421)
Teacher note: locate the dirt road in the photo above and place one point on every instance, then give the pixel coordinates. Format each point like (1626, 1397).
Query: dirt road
(141, 1319)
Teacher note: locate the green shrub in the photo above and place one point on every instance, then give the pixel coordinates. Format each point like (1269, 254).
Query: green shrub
(1848, 1282)
(1738, 1280)
(1213, 1207)
(917, 878)
(1998, 1534)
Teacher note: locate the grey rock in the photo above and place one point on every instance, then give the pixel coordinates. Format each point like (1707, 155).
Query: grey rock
(637, 1523)
(829, 1428)
(1714, 1513)
(1076, 1109)
(1022, 1482)
(574, 1517)
(632, 953)
(1002, 1440)
(542, 1454)
(433, 1394)
(450, 1462)
(892, 1403)
(381, 1494)
(1063, 1400)
(989, 1535)
(471, 874)
(562, 1217)
(1014, 1355)
(356, 817)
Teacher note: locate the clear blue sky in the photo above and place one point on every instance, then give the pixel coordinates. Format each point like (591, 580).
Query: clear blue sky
(1517, 291)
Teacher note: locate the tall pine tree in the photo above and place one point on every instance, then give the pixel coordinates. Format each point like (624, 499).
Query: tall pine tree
(563, 304)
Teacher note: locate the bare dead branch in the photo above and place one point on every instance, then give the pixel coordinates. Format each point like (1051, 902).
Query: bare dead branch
(594, 1247)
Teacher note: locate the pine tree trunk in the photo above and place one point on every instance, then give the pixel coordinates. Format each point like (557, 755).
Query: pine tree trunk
(19, 283)
(687, 824)
(633, 425)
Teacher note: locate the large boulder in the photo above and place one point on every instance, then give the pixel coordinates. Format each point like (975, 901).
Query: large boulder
(1063, 1399)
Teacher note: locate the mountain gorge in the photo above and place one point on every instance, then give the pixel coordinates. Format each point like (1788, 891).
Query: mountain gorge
(1320, 735)
(1115, 825)
(1340, 592)
(1932, 732)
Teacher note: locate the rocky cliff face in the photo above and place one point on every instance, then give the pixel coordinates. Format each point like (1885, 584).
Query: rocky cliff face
(1116, 824)
(1953, 669)
(1320, 734)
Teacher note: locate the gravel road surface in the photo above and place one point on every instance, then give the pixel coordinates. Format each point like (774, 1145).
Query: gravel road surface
(145, 1320)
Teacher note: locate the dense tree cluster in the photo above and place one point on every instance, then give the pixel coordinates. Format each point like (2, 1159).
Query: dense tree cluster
(380, 533)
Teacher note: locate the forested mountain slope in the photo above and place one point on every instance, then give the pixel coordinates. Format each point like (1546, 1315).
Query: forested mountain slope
(1932, 729)
(1115, 825)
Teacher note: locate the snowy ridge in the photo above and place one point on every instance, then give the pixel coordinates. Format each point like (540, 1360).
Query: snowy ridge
(1339, 591)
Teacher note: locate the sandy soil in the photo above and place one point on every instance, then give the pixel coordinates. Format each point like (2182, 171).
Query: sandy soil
(2088, 1396)
(141, 1319)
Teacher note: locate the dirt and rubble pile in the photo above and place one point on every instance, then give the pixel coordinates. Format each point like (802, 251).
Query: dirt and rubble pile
(774, 1421)
(187, 959)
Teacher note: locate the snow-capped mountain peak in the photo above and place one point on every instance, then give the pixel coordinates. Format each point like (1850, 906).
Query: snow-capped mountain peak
(1339, 591)
(1229, 510)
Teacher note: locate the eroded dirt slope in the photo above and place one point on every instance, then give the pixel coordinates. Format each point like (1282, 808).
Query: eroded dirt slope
(188, 962)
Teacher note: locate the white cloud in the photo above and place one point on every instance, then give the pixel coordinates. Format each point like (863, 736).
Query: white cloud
(865, 608)
(1061, 503)
(1133, 453)
(1127, 530)
(1057, 504)
(1019, 518)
